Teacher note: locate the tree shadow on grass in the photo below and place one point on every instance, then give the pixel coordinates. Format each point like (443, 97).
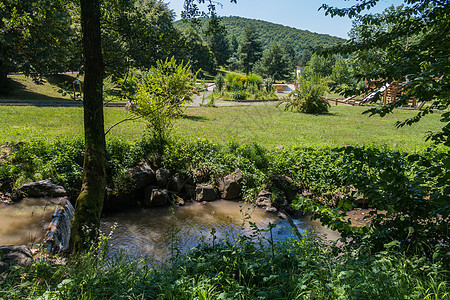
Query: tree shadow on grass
(328, 114)
(194, 118)
(18, 91)
(61, 80)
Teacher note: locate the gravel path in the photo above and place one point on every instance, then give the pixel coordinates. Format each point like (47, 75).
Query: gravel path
(197, 101)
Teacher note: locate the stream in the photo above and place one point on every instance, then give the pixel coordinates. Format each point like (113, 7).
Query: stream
(159, 232)
(155, 233)
(25, 222)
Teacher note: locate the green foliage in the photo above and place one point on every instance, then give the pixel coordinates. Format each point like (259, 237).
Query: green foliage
(135, 34)
(275, 63)
(268, 84)
(413, 40)
(249, 51)
(307, 96)
(234, 44)
(60, 161)
(216, 35)
(234, 269)
(238, 95)
(37, 38)
(410, 191)
(195, 51)
(240, 87)
(300, 40)
(161, 95)
(219, 81)
(234, 77)
(320, 66)
(253, 79)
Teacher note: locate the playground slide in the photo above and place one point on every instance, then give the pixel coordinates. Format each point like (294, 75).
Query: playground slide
(372, 95)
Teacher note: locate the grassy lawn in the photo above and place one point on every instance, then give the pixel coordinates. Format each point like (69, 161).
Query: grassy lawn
(263, 124)
(271, 127)
(25, 88)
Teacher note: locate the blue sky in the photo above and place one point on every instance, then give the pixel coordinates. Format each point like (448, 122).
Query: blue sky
(301, 14)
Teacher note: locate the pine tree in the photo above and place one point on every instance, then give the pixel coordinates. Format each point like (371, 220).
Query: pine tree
(250, 49)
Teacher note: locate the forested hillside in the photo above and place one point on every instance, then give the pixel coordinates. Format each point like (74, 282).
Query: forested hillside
(269, 32)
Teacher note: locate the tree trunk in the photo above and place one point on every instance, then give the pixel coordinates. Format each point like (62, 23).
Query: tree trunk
(4, 88)
(89, 204)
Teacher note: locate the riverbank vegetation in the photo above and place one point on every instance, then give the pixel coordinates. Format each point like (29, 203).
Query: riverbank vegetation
(401, 253)
(335, 180)
(306, 269)
(325, 165)
(412, 183)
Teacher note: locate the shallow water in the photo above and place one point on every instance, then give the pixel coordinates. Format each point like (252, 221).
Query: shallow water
(158, 232)
(25, 222)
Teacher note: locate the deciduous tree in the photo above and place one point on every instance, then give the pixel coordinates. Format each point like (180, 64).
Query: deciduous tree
(89, 203)
(274, 63)
(415, 47)
(36, 38)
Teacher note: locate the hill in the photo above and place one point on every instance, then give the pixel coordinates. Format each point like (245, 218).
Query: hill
(270, 32)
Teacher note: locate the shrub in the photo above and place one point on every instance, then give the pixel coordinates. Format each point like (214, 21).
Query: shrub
(233, 77)
(268, 85)
(254, 79)
(234, 86)
(239, 95)
(161, 95)
(307, 96)
(219, 81)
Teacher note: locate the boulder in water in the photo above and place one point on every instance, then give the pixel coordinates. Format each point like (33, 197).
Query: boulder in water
(156, 197)
(176, 183)
(143, 176)
(162, 177)
(264, 199)
(204, 192)
(230, 185)
(39, 189)
(10, 256)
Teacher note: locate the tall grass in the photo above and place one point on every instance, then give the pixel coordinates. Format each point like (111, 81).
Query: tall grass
(242, 269)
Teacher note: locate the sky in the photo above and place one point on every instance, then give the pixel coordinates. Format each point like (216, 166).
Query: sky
(300, 14)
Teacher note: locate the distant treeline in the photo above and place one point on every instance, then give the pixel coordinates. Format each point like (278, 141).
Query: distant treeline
(268, 33)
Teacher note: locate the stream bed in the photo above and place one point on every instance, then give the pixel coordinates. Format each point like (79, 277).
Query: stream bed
(25, 222)
(155, 233)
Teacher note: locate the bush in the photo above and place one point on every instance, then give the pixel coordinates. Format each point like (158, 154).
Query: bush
(268, 85)
(234, 87)
(161, 95)
(239, 95)
(307, 96)
(254, 79)
(233, 77)
(219, 82)
(234, 269)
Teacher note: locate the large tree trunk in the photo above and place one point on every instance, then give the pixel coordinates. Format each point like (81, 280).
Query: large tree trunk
(90, 201)
(4, 88)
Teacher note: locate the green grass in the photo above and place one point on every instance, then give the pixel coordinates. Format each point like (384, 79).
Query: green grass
(262, 124)
(270, 127)
(25, 88)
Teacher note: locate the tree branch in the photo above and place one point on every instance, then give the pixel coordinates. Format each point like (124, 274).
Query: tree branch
(124, 120)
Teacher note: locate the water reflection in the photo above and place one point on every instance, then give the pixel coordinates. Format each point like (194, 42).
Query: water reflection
(24, 223)
(158, 232)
